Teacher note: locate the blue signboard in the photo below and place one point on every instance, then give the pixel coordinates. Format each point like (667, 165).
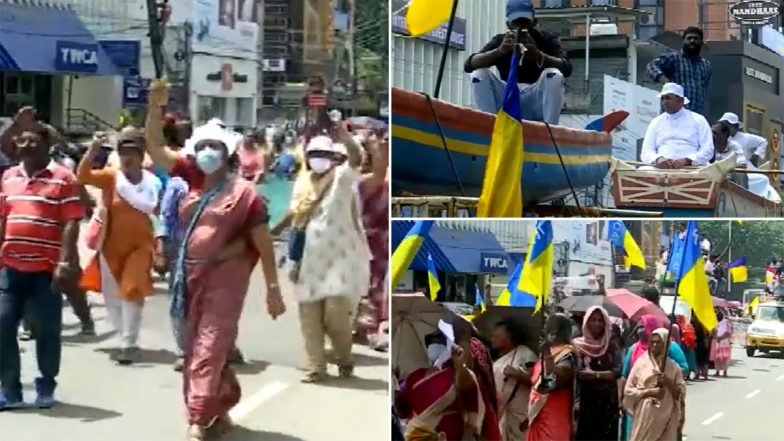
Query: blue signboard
(135, 91)
(76, 57)
(125, 54)
(494, 263)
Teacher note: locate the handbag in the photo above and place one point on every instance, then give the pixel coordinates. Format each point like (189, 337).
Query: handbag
(297, 235)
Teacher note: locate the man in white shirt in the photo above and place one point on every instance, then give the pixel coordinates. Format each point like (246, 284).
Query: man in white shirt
(678, 137)
(725, 147)
(705, 245)
(754, 146)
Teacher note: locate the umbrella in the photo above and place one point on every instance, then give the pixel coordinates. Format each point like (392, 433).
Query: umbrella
(366, 122)
(718, 302)
(582, 303)
(413, 317)
(529, 323)
(635, 306)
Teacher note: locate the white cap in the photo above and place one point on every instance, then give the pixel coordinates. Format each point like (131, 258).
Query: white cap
(730, 118)
(674, 89)
(325, 144)
(212, 131)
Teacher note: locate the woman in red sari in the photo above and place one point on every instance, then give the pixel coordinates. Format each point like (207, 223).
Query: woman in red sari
(375, 217)
(226, 209)
(442, 403)
(554, 405)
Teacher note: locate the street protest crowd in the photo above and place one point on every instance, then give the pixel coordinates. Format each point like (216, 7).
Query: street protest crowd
(183, 202)
(609, 366)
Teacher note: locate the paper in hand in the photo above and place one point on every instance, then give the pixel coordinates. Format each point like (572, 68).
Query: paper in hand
(449, 333)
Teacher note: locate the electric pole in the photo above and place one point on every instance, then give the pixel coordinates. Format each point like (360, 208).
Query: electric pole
(352, 20)
(156, 16)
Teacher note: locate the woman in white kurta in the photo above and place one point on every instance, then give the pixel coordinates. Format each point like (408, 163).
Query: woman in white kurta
(334, 270)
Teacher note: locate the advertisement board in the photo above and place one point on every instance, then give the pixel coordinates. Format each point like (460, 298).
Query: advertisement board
(642, 104)
(226, 27)
(587, 241)
(438, 35)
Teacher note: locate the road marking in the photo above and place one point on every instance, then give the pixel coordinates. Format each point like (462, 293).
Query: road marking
(713, 419)
(753, 393)
(780, 378)
(245, 407)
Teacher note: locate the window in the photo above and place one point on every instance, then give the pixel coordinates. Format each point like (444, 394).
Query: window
(557, 3)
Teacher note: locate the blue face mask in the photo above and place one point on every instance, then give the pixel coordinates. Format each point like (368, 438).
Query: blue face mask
(209, 160)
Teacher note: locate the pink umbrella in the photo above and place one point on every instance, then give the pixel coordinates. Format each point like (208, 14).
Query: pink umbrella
(718, 302)
(635, 306)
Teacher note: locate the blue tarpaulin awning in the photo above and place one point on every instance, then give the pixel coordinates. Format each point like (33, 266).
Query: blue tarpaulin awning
(453, 251)
(49, 39)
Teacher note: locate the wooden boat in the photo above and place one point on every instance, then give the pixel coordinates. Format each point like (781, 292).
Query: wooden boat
(688, 193)
(421, 165)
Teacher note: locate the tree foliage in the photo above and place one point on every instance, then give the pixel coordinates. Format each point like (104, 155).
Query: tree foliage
(759, 241)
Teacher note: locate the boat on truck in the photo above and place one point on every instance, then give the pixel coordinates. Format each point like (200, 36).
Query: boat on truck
(693, 192)
(439, 148)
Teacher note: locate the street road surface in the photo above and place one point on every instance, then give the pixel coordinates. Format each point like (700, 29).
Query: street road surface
(746, 406)
(102, 401)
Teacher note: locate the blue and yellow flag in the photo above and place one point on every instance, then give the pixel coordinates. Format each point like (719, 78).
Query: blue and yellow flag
(738, 270)
(425, 15)
(501, 194)
(622, 238)
(511, 296)
(480, 300)
(407, 249)
(692, 281)
(538, 268)
(432, 278)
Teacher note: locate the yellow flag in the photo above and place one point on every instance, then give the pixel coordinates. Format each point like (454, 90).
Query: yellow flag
(425, 15)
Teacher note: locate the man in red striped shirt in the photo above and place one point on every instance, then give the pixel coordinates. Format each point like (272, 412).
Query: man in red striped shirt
(40, 210)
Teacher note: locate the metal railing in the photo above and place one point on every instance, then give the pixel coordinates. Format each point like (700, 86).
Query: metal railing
(83, 122)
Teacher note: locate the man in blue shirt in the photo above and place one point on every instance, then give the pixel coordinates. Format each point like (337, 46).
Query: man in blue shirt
(686, 68)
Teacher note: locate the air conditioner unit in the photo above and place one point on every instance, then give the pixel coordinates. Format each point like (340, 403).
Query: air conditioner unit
(274, 65)
(649, 18)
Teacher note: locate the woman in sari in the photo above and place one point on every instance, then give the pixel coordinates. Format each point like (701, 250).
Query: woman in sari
(333, 270)
(721, 345)
(599, 364)
(226, 209)
(554, 402)
(122, 268)
(654, 393)
(649, 324)
(702, 348)
(688, 344)
(374, 195)
(512, 379)
(442, 403)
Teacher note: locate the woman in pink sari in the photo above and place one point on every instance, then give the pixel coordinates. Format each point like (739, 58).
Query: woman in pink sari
(554, 404)
(721, 344)
(442, 403)
(228, 209)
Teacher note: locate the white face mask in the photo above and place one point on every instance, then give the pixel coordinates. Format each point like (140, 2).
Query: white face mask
(320, 165)
(434, 351)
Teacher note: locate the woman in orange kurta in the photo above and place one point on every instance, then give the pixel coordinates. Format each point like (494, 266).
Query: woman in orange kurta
(125, 255)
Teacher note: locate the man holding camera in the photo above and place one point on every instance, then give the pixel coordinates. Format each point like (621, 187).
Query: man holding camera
(540, 75)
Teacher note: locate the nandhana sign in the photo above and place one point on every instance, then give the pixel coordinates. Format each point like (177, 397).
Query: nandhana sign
(755, 12)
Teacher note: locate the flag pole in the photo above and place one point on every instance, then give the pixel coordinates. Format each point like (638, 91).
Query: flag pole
(445, 51)
(674, 302)
(729, 260)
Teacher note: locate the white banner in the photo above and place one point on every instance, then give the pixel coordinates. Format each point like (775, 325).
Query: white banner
(227, 27)
(641, 103)
(587, 241)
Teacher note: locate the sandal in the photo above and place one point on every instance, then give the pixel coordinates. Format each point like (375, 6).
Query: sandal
(314, 377)
(346, 371)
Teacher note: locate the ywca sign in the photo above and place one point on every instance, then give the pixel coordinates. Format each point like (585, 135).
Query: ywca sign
(76, 57)
(494, 263)
(755, 12)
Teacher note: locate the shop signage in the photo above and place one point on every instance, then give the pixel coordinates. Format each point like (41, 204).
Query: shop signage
(494, 263)
(76, 57)
(438, 35)
(227, 76)
(135, 91)
(125, 54)
(317, 100)
(762, 76)
(755, 12)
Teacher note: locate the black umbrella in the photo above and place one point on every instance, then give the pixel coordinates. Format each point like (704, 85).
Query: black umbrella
(582, 303)
(531, 324)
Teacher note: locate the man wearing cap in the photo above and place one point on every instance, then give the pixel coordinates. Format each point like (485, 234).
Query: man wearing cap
(678, 137)
(754, 146)
(686, 68)
(540, 75)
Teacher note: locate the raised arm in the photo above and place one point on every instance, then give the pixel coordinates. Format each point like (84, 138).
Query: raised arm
(160, 154)
(85, 174)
